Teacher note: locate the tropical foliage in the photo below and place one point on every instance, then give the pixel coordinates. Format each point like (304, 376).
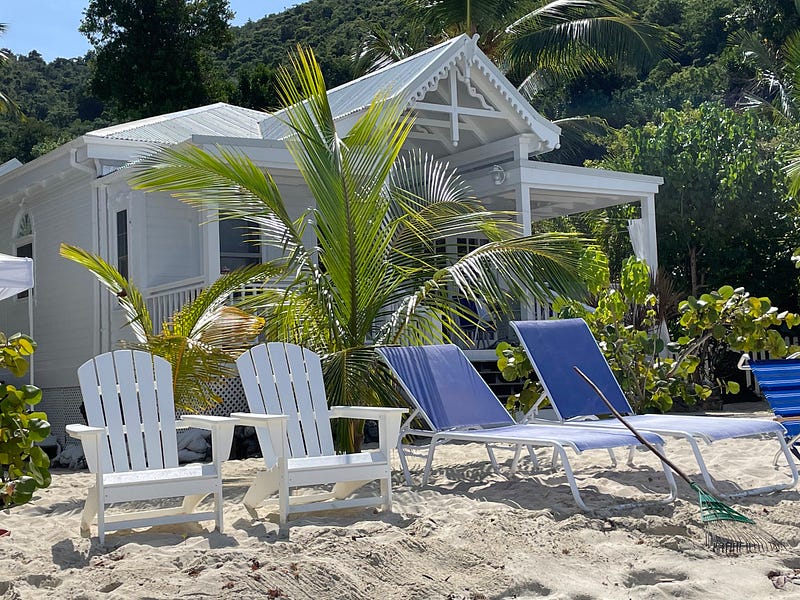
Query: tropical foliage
(7, 105)
(545, 42)
(156, 56)
(23, 465)
(366, 265)
(201, 340)
(723, 213)
(652, 372)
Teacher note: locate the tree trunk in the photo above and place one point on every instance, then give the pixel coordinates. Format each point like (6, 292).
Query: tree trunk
(693, 270)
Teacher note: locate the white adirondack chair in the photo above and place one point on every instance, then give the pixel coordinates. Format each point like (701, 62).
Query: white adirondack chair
(131, 446)
(288, 407)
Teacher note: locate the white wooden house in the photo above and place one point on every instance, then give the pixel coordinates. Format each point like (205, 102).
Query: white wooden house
(466, 112)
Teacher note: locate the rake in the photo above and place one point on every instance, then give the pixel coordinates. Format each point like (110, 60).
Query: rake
(727, 531)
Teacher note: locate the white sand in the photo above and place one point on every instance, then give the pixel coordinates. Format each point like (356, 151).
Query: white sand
(471, 534)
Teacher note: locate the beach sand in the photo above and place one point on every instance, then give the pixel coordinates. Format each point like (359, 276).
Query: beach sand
(471, 534)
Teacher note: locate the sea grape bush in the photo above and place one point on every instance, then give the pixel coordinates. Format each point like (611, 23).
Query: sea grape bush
(23, 465)
(652, 372)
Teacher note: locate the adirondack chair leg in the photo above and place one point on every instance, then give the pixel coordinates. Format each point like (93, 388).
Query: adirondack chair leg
(283, 492)
(266, 483)
(343, 489)
(101, 522)
(386, 493)
(218, 508)
(190, 502)
(89, 511)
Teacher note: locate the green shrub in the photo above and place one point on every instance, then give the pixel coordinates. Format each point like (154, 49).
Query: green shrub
(653, 374)
(23, 465)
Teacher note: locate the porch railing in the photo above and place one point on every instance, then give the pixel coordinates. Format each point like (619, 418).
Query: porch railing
(165, 300)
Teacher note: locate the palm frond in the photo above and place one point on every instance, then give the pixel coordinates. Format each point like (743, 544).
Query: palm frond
(127, 295)
(573, 37)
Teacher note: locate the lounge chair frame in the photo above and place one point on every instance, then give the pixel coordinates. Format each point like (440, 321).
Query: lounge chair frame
(575, 333)
(503, 431)
(782, 395)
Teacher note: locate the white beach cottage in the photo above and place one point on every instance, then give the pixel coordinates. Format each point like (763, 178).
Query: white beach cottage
(466, 112)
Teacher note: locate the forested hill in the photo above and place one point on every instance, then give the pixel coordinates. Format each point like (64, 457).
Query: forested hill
(59, 105)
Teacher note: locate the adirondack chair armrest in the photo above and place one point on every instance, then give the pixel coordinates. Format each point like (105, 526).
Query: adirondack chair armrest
(221, 433)
(275, 426)
(90, 440)
(389, 421)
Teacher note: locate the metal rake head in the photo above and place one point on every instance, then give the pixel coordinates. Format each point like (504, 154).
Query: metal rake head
(729, 531)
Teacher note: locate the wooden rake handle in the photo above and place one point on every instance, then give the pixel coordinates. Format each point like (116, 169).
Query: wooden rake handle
(638, 435)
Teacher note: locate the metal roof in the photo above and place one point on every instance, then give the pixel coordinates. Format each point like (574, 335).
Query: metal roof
(220, 119)
(393, 80)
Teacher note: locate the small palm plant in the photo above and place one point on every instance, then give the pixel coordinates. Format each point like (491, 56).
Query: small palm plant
(377, 273)
(201, 340)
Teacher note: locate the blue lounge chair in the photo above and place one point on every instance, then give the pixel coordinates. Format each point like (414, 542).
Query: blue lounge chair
(554, 347)
(779, 381)
(449, 396)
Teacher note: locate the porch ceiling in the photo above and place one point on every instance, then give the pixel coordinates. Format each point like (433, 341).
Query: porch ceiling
(559, 190)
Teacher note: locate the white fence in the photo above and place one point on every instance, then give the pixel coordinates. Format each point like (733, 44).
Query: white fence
(764, 355)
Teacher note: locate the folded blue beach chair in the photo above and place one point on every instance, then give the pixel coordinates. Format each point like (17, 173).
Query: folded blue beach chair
(449, 396)
(554, 347)
(779, 381)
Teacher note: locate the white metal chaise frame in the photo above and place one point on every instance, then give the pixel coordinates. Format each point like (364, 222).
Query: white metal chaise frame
(130, 391)
(574, 336)
(286, 395)
(501, 428)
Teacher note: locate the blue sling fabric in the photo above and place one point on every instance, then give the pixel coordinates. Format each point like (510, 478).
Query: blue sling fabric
(555, 346)
(442, 383)
(779, 380)
(446, 386)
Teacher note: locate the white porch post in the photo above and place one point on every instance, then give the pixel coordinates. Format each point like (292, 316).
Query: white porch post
(648, 206)
(524, 211)
(211, 250)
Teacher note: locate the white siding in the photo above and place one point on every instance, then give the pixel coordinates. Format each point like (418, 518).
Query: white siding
(173, 240)
(64, 324)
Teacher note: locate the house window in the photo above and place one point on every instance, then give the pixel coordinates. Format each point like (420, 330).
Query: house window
(466, 245)
(122, 242)
(23, 241)
(238, 245)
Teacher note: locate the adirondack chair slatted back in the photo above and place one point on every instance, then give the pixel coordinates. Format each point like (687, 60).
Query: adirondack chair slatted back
(287, 379)
(129, 393)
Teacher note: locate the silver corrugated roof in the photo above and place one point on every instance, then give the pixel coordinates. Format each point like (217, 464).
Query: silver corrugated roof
(220, 119)
(394, 79)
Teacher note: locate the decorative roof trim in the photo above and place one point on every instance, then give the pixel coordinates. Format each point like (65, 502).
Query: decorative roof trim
(472, 55)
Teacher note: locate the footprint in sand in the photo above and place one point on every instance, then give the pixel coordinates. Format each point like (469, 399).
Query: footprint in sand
(8, 591)
(653, 577)
(47, 582)
(110, 587)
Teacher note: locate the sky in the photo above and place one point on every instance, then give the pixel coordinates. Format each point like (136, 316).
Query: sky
(51, 26)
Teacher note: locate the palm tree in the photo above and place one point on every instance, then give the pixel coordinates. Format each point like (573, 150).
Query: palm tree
(7, 105)
(775, 89)
(202, 339)
(375, 274)
(536, 42)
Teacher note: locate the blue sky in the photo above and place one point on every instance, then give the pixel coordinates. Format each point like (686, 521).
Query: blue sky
(51, 26)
